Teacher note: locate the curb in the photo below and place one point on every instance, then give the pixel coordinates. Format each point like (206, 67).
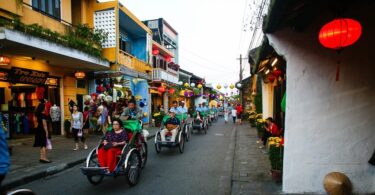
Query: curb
(47, 172)
(42, 174)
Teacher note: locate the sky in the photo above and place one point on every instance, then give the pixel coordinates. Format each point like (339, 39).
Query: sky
(211, 35)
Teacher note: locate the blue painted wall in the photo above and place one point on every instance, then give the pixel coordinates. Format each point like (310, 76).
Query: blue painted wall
(139, 49)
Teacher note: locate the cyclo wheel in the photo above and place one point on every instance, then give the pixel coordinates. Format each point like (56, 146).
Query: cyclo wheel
(157, 146)
(93, 162)
(187, 132)
(144, 154)
(181, 144)
(133, 168)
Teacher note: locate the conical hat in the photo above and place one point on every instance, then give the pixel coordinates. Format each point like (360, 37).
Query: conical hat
(336, 183)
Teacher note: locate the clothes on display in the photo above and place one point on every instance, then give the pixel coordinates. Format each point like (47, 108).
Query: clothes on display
(55, 113)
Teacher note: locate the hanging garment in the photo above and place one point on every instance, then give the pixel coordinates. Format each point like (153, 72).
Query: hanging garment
(40, 92)
(26, 127)
(55, 113)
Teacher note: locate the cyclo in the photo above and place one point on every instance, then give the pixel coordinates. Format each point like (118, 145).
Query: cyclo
(130, 161)
(179, 140)
(213, 115)
(200, 125)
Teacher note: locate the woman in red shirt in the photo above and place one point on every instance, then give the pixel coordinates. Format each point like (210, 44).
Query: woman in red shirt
(239, 113)
(271, 130)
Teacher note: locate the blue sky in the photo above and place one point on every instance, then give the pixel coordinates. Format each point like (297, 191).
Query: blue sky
(209, 33)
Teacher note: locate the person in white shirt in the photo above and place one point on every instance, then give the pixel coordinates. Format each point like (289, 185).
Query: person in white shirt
(182, 109)
(234, 114)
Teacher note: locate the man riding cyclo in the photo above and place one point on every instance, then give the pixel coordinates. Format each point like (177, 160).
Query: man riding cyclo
(131, 112)
(171, 126)
(205, 111)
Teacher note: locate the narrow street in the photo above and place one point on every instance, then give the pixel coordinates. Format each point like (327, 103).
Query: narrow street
(204, 168)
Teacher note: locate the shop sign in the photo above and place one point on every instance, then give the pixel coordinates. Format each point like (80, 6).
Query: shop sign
(27, 76)
(4, 75)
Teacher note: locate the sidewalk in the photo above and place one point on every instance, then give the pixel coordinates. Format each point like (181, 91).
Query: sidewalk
(251, 166)
(25, 166)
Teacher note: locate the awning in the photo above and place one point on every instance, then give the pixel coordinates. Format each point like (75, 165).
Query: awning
(123, 71)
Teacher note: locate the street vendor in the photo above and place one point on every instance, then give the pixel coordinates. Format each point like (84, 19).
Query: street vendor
(131, 112)
(171, 125)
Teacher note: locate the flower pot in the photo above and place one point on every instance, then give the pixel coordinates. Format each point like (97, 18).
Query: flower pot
(277, 175)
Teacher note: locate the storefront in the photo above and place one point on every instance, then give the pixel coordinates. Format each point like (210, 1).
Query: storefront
(20, 92)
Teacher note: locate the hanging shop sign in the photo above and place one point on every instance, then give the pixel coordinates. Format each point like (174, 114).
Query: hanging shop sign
(4, 75)
(27, 76)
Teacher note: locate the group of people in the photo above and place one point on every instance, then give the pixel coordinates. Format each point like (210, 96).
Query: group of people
(172, 123)
(235, 111)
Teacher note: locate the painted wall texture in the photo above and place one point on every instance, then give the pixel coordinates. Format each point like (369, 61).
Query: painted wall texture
(329, 124)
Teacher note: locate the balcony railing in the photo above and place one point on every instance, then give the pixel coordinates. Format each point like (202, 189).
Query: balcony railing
(159, 74)
(132, 62)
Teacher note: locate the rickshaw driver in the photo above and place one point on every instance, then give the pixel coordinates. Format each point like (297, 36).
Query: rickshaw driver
(171, 125)
(131, 112)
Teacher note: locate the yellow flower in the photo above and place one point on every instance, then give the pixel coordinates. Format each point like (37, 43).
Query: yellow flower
(157, 114)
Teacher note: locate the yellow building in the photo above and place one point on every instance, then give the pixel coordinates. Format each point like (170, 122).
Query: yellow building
(41, 50)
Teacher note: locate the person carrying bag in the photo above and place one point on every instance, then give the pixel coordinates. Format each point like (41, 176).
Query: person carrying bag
(76, 128)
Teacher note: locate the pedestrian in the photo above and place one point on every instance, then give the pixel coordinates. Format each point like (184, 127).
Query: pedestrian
(86, 121)
(271, 130)
(76, 128)
(239, 113)
(226, 115)
(41, 134)
(234, 115)
(4, 155)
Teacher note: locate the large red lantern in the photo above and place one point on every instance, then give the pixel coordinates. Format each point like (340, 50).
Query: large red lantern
(155, 52)
(168, 59)
(171, 91)
(340, 33)
(161, 89)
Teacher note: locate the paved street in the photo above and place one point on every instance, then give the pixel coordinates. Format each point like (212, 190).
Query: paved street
(204, 168)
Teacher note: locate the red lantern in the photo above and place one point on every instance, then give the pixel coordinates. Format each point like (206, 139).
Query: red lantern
(271, 78)
(168, 59)
(161, 89)
(277, 73)
(171, 91)
(155, 52)
(340, 33)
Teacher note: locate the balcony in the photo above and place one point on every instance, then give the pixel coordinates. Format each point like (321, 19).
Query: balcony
(159, 74)
(132, 62)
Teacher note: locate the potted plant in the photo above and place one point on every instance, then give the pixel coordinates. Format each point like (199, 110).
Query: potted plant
(252, 119)
(158, 117)
(276, 150)
(260, 125)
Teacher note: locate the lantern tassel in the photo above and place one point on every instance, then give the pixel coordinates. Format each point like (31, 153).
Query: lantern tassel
(338, 71)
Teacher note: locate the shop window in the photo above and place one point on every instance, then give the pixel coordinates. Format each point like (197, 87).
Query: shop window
(81, 83)
(49, 7)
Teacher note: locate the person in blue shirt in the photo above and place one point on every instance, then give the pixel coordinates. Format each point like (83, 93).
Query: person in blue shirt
(171, 125)
(205, 107)
(200, 108)
(174, 107)
(4, 153)
(182, 109)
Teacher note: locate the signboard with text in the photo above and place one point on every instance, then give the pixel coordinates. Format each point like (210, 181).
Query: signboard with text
(27, 76)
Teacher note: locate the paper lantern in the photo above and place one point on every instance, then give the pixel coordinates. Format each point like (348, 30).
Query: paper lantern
(231, 86)
(155, 52)
(186, 93)
(182, 93)
(191, 94)
(171, 91)
(225, 86)
(192, 84)
(218, 86)
(180, 83)
(161, 89)
(80, 75)
(200, 86)
(145, 114)
(135, 81)
(271, 78)
(340, 33)
(4, 60)
(337, 183)
(239, 85)
(168, 59)
(277, 73)
(186, 85)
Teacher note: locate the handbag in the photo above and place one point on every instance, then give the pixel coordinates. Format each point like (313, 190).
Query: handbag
(49, 144)
(80, 133)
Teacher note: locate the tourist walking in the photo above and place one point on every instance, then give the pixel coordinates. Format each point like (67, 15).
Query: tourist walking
(76, 128)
